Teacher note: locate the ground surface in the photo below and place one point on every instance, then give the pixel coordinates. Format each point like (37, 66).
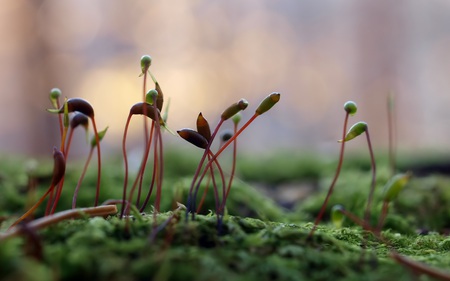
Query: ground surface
(261, 238)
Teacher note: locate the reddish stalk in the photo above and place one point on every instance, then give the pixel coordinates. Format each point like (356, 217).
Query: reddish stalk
(59, 168)
(125, 161)
(233, 169)
(99, 162)
(391, 131)
(205, 192)
(330, 189)
(191, 200)
(144, 164)
(80, 180)
(373, 182)
(214, 157)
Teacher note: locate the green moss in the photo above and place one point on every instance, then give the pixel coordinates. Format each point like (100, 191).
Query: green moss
(258, 240)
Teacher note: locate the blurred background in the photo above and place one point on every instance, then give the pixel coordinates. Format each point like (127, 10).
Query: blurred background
(208, 54)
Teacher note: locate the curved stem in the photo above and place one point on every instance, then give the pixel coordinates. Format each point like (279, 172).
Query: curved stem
(99, 163)
(373, 183)
(330, 189)
(191, 200)
(57, 217)
(125, 160)
(80, 180)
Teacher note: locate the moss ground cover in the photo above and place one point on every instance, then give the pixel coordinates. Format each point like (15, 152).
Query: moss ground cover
(259, 239)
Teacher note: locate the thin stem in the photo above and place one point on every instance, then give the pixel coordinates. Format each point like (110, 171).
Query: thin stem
(35, 206)
(60, 121)
(125, 160)
(191, 201)
(233, 169)
(205, 192)
(391, 132)
(160, 162)
(330, 189)
(80, 180)
(144, 164)
(233, 138)
(383, 215)
(373, 182)
(141, 171)
(99, 163)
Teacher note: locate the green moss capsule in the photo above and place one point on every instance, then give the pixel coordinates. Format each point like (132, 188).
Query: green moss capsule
(237, 118)
(395, 185)
(234, 108)
(356, 130)
(268, 103)
(146, 61)
(151, 96)
(337, 217)
(350, 107)
(54, 95)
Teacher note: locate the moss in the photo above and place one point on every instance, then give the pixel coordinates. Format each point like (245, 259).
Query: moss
(258, 239)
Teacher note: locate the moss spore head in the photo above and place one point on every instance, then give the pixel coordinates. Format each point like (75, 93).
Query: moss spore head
(55, 93)
(151, 96)
(395, 185)
(146, 61)
(350, 107)
(267, 103)
(356, 130)
(234, 108)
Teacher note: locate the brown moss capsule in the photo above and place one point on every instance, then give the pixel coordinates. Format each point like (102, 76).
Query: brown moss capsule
(76, 104)
(138, 109)
(79, 119)
(193, 137)
(203, 127)
(226, 135)
(160, 97)
(59, 166)
(234, 108)
(267, 103)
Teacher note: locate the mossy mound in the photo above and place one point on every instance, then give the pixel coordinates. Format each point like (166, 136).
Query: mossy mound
(243, 249)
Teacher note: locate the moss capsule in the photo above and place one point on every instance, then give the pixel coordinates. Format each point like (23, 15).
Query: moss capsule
(356, 130)
(350, 107)
(234, 108)
(193, 137)
(395, 185)
(337, 217)
(203, 127)
(267, 103)
(146, 61)
(151, 96)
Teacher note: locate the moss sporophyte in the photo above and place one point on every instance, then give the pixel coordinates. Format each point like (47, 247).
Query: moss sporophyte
(147, 246)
